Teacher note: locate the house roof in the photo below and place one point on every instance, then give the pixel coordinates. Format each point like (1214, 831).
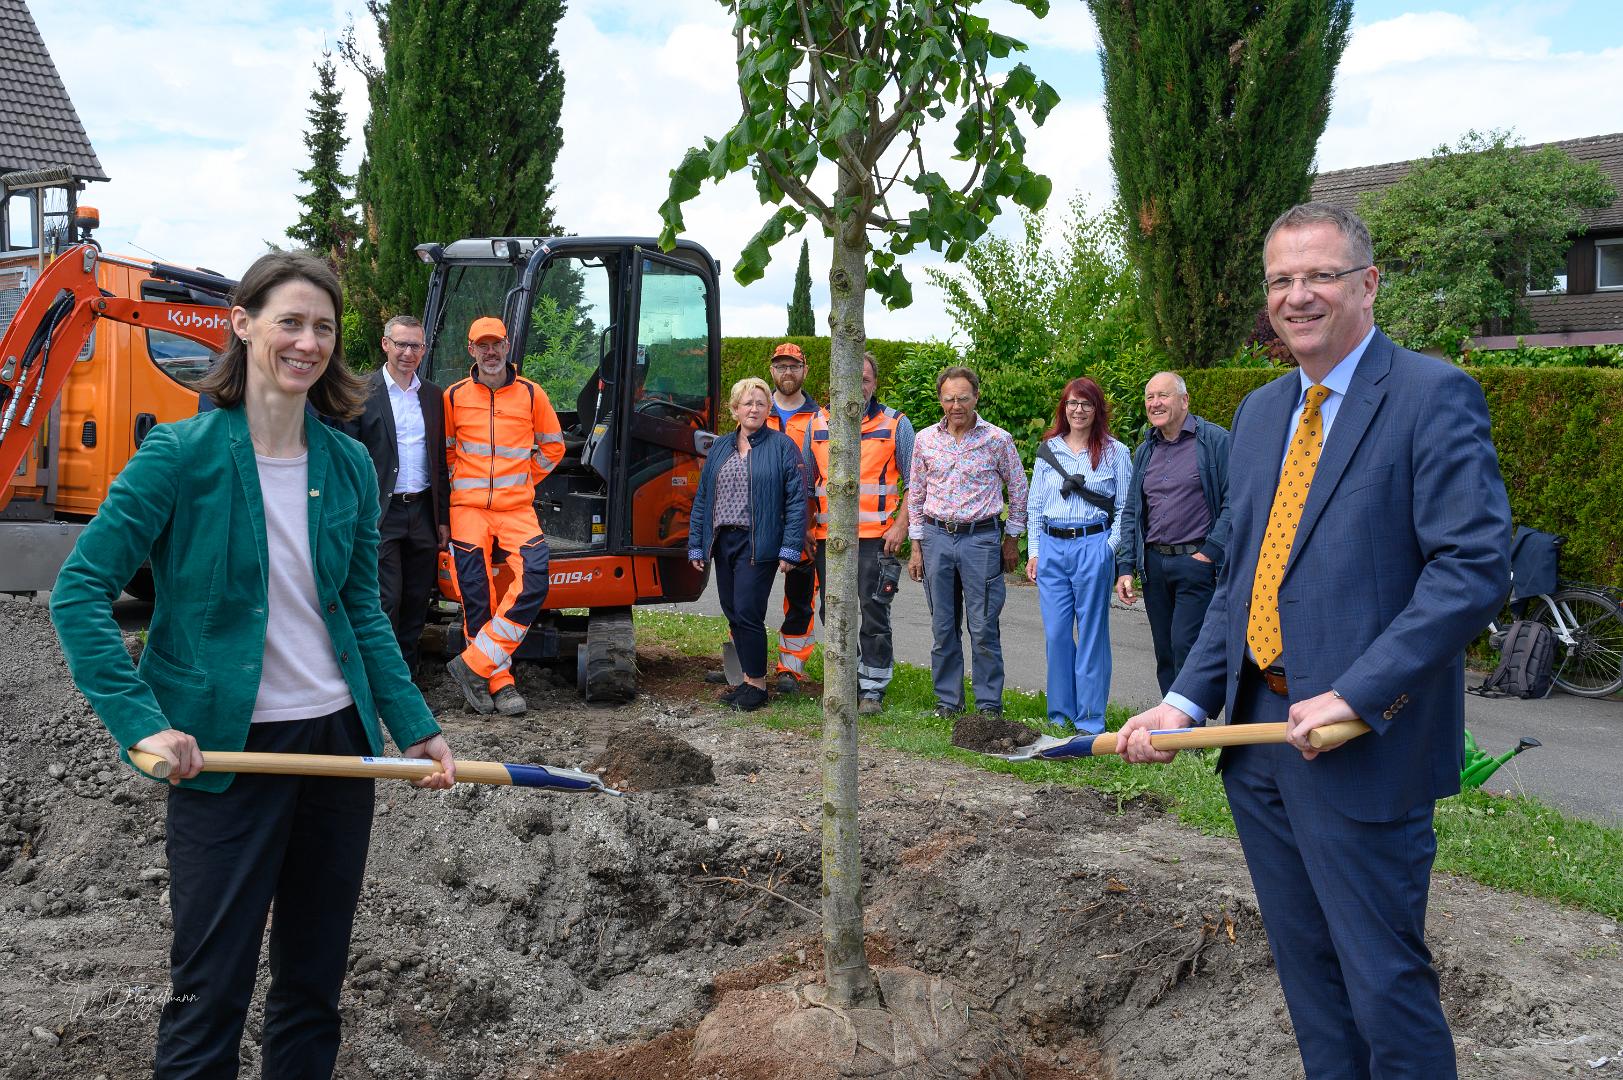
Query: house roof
(1343, 186)
(41, 128)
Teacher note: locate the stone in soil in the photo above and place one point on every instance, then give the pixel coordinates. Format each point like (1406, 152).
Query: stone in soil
(991, 734)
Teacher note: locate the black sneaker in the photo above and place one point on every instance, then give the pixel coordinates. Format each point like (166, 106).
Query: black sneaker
(748, 698)
(715, 677)
(947, 712)
(727, 695)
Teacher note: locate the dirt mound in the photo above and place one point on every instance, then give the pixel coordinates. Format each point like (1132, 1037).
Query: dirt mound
(991, 734)
(647, 759)
(503, 930)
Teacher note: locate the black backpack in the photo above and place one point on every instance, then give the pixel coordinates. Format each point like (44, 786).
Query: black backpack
(1526, 663)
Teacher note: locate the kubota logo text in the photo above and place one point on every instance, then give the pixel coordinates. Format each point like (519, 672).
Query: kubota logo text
(193, 320)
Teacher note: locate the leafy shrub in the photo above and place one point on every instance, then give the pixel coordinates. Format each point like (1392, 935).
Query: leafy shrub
(1534, 356)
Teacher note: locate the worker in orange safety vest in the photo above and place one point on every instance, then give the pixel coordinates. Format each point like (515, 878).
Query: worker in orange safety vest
(887, 455)
(501, 439)
(793, 412)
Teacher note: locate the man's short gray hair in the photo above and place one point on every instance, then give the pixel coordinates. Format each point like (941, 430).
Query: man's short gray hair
(1177, 380)
(409, 322)
(1352, 228)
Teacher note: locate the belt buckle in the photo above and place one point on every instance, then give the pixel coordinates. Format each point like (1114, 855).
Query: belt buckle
(952, 527)
(1274, 679)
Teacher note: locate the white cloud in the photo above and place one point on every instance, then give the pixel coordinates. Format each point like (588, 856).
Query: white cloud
(1068, 26)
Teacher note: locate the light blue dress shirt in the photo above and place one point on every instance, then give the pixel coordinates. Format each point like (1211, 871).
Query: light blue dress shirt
(1337, 382)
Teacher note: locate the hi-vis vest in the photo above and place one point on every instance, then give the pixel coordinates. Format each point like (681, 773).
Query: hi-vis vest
(880, 486)
(499, 443)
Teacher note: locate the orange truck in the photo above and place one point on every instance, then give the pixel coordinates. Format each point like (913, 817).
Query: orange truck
(624, 339)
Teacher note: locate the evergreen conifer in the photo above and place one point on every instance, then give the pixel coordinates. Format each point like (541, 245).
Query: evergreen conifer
(326, 226)
(802, 323)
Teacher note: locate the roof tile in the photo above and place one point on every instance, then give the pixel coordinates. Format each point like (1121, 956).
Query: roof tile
(42, 129)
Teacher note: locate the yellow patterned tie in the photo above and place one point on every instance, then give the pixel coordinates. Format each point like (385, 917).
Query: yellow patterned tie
(1262, 633)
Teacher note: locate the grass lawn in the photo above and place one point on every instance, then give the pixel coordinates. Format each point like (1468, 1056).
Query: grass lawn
(1507, 842)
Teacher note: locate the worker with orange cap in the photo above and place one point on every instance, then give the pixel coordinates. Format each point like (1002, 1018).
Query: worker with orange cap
(501, 439)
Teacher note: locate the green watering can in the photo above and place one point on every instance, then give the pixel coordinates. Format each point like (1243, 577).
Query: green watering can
(1479, 765)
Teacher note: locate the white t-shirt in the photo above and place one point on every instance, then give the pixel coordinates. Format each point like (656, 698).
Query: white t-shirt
(300, 679)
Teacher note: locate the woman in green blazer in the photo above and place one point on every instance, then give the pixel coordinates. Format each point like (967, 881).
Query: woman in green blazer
(260, 524)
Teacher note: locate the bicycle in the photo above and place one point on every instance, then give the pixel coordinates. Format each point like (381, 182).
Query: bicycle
(1587, 621)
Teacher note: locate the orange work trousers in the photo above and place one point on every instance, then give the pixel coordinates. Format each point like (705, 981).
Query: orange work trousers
(495, 625)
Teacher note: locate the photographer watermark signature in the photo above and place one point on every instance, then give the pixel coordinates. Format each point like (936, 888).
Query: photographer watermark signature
(115, 1001)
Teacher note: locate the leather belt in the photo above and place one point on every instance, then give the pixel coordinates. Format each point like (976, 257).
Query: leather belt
(406, 498)
(1273, 677)
(1072, 534)
(962, 526)
(1174, 549)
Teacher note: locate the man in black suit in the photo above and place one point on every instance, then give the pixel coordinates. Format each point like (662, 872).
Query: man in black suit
(403, 427)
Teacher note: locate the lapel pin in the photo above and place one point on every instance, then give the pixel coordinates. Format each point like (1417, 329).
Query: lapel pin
(315, 493)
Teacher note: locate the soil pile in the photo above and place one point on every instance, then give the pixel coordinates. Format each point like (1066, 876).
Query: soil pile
(991, 734)
(648, 759)
(502, 930)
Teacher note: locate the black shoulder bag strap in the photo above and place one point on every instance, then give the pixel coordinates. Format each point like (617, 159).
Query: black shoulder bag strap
(1076, 485)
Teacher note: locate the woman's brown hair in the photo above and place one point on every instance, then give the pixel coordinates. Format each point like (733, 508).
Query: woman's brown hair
(1083, 389)
(339, 393)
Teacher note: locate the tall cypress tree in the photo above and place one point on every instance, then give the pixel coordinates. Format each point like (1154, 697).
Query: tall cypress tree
(1215, 108)
(802, 323)
(326, 226)
(461, 137)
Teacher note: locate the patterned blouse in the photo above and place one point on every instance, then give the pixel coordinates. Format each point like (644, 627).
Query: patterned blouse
(733, 492)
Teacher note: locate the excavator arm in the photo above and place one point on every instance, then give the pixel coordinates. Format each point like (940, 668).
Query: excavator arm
(55, 321)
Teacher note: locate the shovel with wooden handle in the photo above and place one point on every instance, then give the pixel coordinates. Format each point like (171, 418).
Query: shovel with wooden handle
(1053, 747)
(381, 768)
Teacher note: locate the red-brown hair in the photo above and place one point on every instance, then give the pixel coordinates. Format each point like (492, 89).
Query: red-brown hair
(1099, 431)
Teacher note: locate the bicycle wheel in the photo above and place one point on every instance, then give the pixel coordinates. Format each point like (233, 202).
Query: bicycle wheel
(1588, 641)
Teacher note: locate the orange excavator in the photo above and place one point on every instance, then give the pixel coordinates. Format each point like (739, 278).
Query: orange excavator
(624, 339)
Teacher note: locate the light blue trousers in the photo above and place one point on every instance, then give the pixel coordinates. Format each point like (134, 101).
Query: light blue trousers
(1074, 581)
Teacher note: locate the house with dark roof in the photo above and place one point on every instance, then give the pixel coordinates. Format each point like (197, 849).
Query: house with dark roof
(45, 156)
(1586, 307)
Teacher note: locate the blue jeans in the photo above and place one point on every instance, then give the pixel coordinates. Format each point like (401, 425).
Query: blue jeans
(1074, 581)
(963, 581)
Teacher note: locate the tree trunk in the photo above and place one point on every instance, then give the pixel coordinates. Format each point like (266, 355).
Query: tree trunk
(845, 964)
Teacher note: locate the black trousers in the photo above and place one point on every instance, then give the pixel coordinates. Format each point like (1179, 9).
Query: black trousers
(1177, 590)
(408, 547)
(875, 650)
(291, 845)
(743, 588)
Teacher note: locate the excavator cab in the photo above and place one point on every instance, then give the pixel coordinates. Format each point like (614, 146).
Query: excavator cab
(625, 340)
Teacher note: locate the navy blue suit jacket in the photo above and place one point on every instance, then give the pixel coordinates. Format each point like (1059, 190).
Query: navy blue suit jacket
(1401, 558)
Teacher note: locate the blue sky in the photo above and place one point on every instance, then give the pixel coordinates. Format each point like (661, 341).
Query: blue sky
(197, 110)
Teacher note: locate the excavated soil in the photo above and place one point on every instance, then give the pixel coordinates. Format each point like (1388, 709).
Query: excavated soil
(507, 933)
(991, 734)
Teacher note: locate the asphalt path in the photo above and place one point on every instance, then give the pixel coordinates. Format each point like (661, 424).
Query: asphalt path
(1577, 767)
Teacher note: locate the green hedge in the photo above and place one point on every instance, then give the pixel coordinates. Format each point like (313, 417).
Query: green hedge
(1559, 432)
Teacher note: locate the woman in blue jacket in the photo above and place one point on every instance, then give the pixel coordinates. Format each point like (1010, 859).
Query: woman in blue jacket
(750, 515)
(1072, 551)
(260, 523)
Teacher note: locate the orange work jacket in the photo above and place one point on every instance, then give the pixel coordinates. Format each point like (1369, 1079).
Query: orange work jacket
(499, 444)
(880, 487)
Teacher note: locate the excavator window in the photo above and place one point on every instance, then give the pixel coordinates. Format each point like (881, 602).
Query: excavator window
(182, 360)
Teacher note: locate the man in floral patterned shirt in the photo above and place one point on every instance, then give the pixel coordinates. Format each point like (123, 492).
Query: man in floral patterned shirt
(965, 472)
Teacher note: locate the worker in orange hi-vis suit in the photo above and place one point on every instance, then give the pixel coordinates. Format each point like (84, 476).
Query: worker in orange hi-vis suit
(501, 439)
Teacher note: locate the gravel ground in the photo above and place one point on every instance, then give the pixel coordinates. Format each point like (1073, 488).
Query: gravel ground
(508, 933)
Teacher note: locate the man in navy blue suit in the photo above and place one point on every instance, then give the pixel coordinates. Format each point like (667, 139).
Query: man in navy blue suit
(1369, 544)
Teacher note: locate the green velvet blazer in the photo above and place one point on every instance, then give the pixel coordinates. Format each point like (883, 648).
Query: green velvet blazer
(189, 502)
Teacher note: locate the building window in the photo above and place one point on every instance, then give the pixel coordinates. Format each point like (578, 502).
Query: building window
(1559, 287)
(1609, 264)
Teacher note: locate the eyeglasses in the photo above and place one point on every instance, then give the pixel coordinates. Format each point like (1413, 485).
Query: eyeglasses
(1317, 279)
(960, 400)
(406, 346)
(787, 367)
(1080, 406)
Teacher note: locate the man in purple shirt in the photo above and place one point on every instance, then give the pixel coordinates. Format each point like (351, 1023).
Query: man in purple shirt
(1175, 524)
(962, 469)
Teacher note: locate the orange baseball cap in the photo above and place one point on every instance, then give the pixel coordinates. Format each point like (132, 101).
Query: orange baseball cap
(789, 348)
(486, 328)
